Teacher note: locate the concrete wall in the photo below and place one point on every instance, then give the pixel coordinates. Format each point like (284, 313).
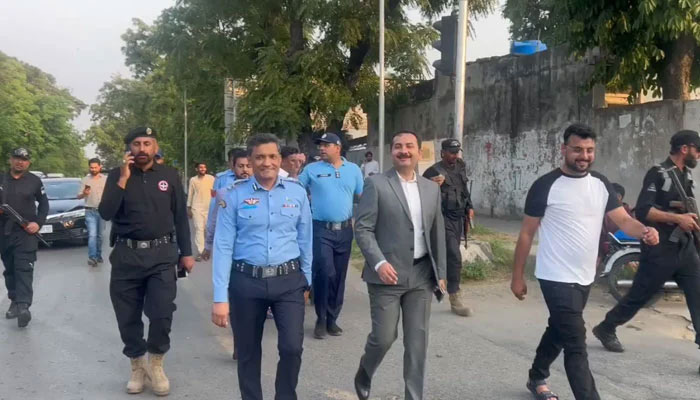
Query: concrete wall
(516, 110)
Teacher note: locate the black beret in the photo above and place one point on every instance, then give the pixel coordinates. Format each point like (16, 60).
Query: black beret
(685, 137)
(141, 131)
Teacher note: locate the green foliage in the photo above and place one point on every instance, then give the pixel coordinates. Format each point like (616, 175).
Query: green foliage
(36, 113)
(301, 64)
(645, 45)
(476, 271)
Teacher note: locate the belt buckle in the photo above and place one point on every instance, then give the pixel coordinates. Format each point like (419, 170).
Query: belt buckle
(336, 226)
(142, 245)
(269, 272)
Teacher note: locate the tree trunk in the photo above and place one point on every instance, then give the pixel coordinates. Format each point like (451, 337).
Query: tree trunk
(675, 77)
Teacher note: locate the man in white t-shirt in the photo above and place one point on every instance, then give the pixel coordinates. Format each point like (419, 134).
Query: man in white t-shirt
(568, 206)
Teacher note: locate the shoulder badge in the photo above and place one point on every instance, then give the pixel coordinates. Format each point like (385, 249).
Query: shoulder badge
(292, 180)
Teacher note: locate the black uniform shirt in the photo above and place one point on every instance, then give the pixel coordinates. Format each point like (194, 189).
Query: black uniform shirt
(22, 194)
(658, 192)
(152, 204)
(456, 200)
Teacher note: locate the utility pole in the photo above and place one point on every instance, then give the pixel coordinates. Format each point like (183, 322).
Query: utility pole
(381, 85)
(229, 114)
(460, 71)
(185, 165)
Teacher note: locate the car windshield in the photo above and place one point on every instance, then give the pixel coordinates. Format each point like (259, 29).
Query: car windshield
(63, 190)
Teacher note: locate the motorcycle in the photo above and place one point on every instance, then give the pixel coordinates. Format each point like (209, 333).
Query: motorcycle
(620, 265)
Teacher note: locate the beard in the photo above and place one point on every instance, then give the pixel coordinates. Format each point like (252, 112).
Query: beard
(690, 161)
(573, 165)
(149, 158)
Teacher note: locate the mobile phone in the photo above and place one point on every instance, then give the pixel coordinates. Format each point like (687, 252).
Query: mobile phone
(181, 273)
(439, 293)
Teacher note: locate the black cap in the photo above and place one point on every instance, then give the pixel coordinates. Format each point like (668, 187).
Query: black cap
(141, 131)
(685, 137)
(328, 138)
(451, 145)
(21, 152)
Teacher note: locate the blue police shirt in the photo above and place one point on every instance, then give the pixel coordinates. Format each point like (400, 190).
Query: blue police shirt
(262, 228)
(332, 190)
(224, 181)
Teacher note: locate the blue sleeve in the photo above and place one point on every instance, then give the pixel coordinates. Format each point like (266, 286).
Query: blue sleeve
(211, 220)
(224, 239)
(304, 177)
(305, 238)
(359, 182)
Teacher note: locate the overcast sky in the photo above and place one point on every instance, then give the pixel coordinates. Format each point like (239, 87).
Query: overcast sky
(78, 41)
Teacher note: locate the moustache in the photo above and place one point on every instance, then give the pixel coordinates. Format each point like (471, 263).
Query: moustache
(402, 156)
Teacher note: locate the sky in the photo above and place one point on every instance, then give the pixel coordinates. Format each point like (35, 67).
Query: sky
(78, 41)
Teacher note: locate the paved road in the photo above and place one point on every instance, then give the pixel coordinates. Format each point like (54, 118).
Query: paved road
(71, 350)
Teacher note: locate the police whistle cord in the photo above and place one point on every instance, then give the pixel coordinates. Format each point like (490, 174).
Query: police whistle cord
(14, 215)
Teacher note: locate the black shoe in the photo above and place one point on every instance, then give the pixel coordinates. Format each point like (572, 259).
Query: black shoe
(23, 315)
(92, 262)
(334, 330)
(320, 329)
(100, 260)
(12, 311)
(608, 339)
(362, 384)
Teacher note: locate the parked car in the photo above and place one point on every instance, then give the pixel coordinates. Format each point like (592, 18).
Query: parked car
(39, 174)
(66, 219)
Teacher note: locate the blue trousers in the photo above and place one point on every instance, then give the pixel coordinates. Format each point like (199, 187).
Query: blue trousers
(95, 226)
(330, 268)
(250, 298)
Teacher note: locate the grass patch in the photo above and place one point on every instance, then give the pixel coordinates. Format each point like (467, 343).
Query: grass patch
(476, 271)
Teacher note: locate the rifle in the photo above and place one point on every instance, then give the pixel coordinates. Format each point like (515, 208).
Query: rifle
(21, 221)
(687, 204)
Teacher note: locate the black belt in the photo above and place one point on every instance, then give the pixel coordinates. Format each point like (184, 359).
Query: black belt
(420, 260)
(147, 244)
(335, 226)
(268, 271)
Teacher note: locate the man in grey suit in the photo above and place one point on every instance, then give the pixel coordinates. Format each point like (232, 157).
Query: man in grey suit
(400, 230)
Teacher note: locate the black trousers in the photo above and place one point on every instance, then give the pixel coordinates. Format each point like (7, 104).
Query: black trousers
(251, 298)
(144, 281)
(566, 330)
(18, 253)
(454, 228)
(670, 262)
(330, 268)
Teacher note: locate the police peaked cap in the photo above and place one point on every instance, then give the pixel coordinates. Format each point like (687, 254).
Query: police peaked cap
(141, 131)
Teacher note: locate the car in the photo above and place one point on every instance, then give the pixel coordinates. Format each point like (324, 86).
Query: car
(66, 219)
(39, 174)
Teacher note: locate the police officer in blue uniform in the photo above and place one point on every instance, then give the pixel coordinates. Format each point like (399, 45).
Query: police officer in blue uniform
(333, 183)
(262, 258)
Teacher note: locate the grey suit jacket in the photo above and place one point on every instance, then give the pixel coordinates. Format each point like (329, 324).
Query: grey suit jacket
(384, 231)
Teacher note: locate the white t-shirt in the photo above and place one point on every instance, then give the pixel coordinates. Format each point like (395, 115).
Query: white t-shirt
(369, 168)
(572, 209)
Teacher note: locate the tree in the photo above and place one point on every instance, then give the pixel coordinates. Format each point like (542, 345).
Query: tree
(645, 45)
(36, 113)
(299, 61)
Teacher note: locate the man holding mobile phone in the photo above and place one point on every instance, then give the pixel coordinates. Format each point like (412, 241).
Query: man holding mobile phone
(91, 190)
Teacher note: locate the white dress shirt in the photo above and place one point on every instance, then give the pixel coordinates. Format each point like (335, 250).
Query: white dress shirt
(410, 191)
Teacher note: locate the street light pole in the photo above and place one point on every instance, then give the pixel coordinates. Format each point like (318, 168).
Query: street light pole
(460, 70)
(185, 165)
(381, 85)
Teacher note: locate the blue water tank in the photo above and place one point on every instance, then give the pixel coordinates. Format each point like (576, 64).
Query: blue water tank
(527, 47)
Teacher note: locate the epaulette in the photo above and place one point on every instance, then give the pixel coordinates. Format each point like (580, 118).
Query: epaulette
(236, 183)
(292, 180)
